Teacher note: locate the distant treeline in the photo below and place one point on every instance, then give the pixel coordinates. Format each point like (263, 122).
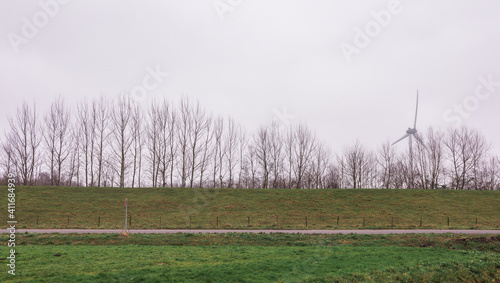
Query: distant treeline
(123, 143)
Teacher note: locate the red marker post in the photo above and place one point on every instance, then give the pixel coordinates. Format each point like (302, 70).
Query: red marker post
(126, 215)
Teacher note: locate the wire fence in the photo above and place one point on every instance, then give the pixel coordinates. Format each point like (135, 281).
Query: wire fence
(259, 222)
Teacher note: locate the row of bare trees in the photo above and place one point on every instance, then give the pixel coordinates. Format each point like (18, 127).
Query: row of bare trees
(107, 143)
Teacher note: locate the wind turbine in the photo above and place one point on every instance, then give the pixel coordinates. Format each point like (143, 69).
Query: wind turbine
(412, 132)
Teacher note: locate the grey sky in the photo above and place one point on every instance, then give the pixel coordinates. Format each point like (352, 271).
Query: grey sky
(258, 57)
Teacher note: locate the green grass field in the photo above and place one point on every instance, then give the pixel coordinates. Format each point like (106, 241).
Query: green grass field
(255, 208)
(254, 258)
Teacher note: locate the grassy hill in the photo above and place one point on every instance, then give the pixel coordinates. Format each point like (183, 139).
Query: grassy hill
(153, 208)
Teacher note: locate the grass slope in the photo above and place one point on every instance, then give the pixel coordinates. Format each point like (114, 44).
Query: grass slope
(199, 208)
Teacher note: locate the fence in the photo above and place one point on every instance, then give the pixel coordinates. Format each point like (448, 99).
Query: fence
(261, 222)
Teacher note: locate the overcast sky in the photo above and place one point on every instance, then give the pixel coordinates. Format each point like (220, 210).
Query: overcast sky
(349, 69)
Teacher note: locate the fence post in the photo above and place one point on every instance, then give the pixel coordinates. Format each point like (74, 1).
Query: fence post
(448, 221)
(68, 222)
(248, 221)
(160, 222)
(217, 225)
(392, 221)
(476, 221)
(420, 221)
(130, 221)
(37, 221)
(98, 221)
(363, 222)
(306, 221)
(338, 218)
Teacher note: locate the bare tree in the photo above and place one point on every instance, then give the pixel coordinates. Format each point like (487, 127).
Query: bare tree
(320, 165)
(94, 113)
(74, 161)
(6, 156)
(222, 152)
(303, 151)
(387, 160)
(218, 152)
(62, 149)
(493, 173)
(252, 162)
(50, 136)
(152, 136)
(122, 137)
(479, 148)
(276, 154)
(242, 145)
(359, 165)
(172, 126)
(83, 130)
(102, 117)
(24, 140)
(198, 128)
(207, 149)
(401, 173)
(87, 127)
(262, 154)
(489, 174)
(430, 160)
(333, 177)
(164, 139)
(137, 143)
(290, 155)
(183, 132)
(230, 149)
(466, 149)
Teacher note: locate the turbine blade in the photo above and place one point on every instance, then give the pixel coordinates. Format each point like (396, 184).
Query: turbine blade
(405, 136)
(416, 111)
(419, 139)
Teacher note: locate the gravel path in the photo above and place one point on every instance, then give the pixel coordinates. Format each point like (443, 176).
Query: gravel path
(169, 231)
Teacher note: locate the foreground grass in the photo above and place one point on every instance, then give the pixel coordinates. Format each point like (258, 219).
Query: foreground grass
(55, 207)
(255, 258)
